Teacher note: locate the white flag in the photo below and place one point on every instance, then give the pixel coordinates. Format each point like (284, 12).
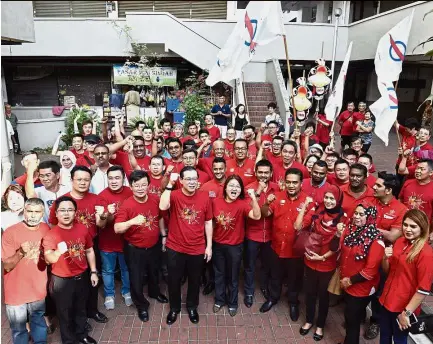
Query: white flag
(335, 100)
(392, 49)
(262, 23)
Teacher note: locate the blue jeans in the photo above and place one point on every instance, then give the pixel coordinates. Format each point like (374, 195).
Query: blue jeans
(17, 316)
(389, 330)
(108, 267)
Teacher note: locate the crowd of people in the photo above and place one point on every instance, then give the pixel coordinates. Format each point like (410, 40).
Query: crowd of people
(205, 207)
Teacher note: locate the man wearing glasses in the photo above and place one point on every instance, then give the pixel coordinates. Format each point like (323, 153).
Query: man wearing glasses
(91, 215)
(241, 165)
(189, 243)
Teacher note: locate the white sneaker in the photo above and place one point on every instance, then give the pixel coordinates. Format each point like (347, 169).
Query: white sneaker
(109, 303)
(128, 299)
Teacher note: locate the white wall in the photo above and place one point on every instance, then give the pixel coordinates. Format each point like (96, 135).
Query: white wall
(30, 132)
(17, 21)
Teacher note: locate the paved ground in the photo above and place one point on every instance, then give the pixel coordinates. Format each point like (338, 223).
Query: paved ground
(248, 326)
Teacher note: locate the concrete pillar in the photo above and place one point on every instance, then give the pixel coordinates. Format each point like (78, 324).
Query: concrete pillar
(4, 136)
(322, 11)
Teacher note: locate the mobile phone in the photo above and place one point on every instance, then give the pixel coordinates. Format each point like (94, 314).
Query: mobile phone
(412, 319)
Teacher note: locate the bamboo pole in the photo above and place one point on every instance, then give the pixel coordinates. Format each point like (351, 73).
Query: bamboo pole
(290, 81)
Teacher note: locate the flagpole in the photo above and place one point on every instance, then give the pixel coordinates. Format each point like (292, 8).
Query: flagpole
(290, 81)
(395, 123)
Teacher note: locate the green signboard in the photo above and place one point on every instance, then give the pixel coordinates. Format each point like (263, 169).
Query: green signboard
(155, 76)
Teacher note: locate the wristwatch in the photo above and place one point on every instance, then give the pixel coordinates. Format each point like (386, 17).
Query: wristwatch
(407, 313)
(94, 272)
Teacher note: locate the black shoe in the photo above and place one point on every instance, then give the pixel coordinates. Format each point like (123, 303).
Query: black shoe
(294, 312)
(100, 318)
(372, 331)
(248, 300)
(193, 316)
(172, 317)
(266, 307)
(161, 298)
(88, 328)
(88, 340)
(183, 281)
(203, 280)
(304, 331)
(233, 311)
(51, 329)
(209, 288)
(143, 316)
(265, 293)
(317, 337)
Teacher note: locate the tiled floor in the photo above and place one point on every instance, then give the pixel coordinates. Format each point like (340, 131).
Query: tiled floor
(248, 326)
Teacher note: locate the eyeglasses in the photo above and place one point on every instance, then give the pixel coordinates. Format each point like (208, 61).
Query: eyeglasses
(189, 158)
(138, 146)
(100, 154)
(140, 186)
(65, 211)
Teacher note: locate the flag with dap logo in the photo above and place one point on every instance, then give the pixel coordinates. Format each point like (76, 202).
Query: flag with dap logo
(388, 63)
(261, 24)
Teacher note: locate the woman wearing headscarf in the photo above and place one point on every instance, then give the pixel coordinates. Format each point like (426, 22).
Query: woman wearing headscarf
(320, 266)
(362, 250)
(13, 200)
(68, 161)
(410, 276)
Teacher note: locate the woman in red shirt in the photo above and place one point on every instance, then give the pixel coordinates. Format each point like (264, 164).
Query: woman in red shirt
(321, 266)
(410, 276)
(230, 213)
(362, 249)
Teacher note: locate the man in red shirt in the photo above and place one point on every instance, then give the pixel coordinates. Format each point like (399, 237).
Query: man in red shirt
(345, 120)
(316, 186)
(323, 130)
(214, 131)
(215, 186)
(341, 174)
(350, 155)
(140, 222)
(241, 165)
(25, 274)
(165, 124)
(110, 243)
(192, 133)
(367, 160)
(359, 116)
(218, 151)
(258, 234)
(418, 193)
(68, 248)
(26, 160)
(249, 136)
(356, 192)
(189, 243)
(408, 135)
(148, 137)
(174, 147)
(87, 158)
(229, 142)
(292, 211)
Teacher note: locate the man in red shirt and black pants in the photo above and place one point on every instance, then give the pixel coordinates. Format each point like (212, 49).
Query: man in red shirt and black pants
(68, 248)
(345, 121)
(292, 210)
(189, 243)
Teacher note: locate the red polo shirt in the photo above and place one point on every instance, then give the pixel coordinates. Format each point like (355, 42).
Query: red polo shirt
(345, 120)
(252, 152)
(404, 278)
(245, 171)
(332, 179)
(317, 193)
(323, 131)
(214, 133)
(285, 211)
(122, 159)
(229, 147)
(155, 186)
(21, 180)
(408, 141)
(280, 172)
(371, 180)
(177, 165)
(229, 220)
(260, 230)
(274, 159)
(390, 215)
(213, 188)
(416, 196)
(350, 202)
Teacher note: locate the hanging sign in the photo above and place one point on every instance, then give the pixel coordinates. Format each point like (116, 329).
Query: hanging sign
(134, 75)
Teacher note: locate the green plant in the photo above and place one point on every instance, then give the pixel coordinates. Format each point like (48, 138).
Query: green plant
(428, 40)
(150, 122)
(83, 114)
(195, 108)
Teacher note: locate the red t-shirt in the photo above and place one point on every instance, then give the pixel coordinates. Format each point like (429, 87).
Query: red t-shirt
(350, 202)
(27, 282)
(323, 131)
(77, 155)
(147, 234)
(205, 164)
(332, 179)
(84, 159)
(345, 120)
(371, 180)
(416, 196)
(230, 150)
(213, 188)
(109, 241)
(390, 215)
(123, 160)
(155, 186)
(406, 279)
(315, 192)
(260, 230)
(357, 117)
(408, 142)
(252, 152)
(285, 211)
(177, 165)
(274, 159)
(21, 180)
(188, 215)
(214, 133)
(85, 213)
(202, 179)
(229, 220)
(246, 171)
(280, 172)
(74, 261)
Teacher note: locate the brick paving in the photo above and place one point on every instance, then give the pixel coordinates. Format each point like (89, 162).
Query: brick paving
(248, 326)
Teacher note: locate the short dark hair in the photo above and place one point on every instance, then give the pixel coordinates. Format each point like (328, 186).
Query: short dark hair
(272, 105)
(54, 165)
(348, 151)
(277, 137)
(412, 123)
(263, 163)
(173, 139)
(311, 124)
(138, 138)
(429, 163)
(86, 121)
(273, 122)
(191, 124)
(240, 140)
(188, 143)
(334, 154)
(237, 107)
(366, 155)
(360, 167)
(116, 168)
(321, 163)
(135, 176)
(239, 180)
(218, 160)
(354, 138)
(163, 121)
(64, 199)
(102, 145)
(82, 168)
(186, 169)
(190, 150)
(341, 162)
(295, 171)
(203, 131)
(138, 123)
(147, 128)
(78, 135)
(290, 143)
(390, 181)
(249, 126)
(158, 157)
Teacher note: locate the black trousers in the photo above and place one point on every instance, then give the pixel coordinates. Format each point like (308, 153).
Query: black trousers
(253, 249)
(316, 287)
(353, 316)
(295, 271)
(70, 296)
(345, 141)
(140, 260)
(177, 263)
(227, 265)
(366, 147)
(50, 307)
(92, 301)
(17, 140)
(376, 307)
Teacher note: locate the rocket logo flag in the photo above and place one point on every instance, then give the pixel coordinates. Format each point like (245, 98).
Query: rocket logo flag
(335, 101)
(262, 23)
(388, 64)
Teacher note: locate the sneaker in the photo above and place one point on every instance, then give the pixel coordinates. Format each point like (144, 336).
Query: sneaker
(128, 299)
(109, 303)
(372, 331)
